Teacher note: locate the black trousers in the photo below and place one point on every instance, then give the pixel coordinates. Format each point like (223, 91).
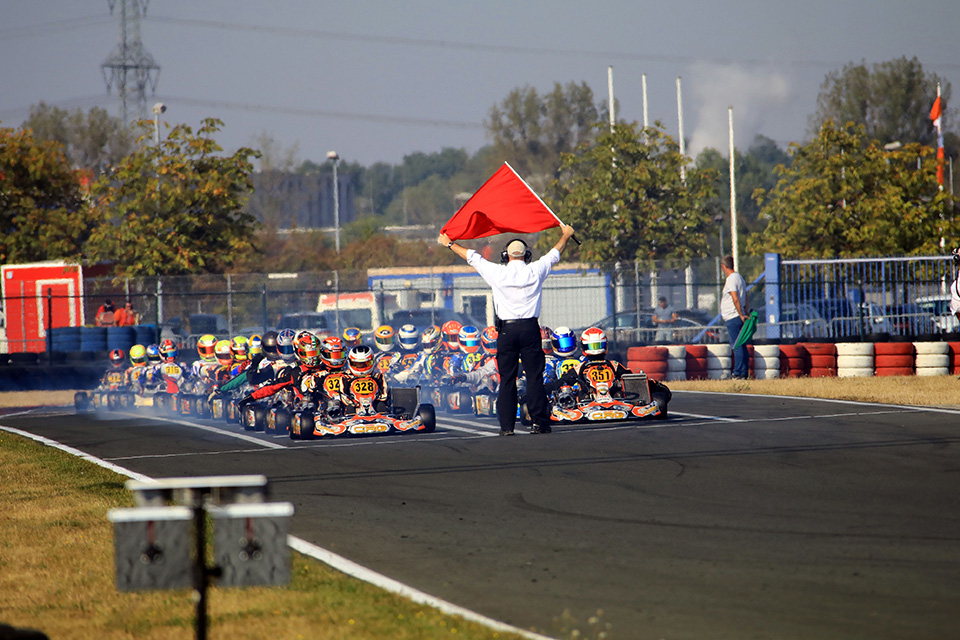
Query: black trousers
(519, 341)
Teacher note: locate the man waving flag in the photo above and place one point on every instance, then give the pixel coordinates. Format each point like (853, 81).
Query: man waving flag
(504, 204)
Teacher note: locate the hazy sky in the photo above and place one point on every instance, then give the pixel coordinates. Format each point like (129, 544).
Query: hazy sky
(376, 80)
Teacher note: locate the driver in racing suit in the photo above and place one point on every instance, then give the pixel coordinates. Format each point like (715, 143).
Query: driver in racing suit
(594, 373)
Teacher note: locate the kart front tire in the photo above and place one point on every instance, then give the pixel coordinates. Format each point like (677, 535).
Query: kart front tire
(429, 416)
(662, 399)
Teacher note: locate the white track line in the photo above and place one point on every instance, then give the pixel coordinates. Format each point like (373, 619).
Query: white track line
(700, 417)
(319, 553)
(850, 402)
(202, 427)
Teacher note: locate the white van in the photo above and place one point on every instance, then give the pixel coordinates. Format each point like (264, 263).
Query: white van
(364, 310)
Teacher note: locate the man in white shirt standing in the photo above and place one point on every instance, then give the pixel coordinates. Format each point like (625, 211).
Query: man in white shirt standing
(517, 287)
(733, 311)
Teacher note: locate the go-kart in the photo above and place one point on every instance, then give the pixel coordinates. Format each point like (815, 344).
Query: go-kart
(639, 398)
(112, 394)
(402, 413)
(192, 399)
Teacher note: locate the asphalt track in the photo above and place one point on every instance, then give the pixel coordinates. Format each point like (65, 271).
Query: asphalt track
(738, 517)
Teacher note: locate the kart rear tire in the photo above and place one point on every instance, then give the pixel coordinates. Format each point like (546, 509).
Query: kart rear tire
(248, 418)
(231, 413)
(306, 423)
(429, 416)
(662, 399)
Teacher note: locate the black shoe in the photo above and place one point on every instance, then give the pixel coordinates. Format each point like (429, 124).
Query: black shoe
(504, 432)
(540, 428)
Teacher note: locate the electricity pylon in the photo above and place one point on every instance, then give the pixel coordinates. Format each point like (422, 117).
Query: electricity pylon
(130, 66)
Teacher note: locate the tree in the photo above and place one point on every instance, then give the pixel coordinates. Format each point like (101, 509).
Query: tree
(845, 196)
(891, 100)
(43, 213)
(93, 141)
(531, 131)
(625, 197)
(176, 207)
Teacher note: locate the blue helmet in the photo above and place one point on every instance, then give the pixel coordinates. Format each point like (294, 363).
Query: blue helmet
(153, 354)
(285, 346)
(564, 342)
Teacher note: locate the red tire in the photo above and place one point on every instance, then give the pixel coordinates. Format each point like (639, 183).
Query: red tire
(793, 351)
(649, 367)
(898, 361)
(823, 372)
(823, 362)
(821, 348)
(892, 349)
(894, 371)
(696, 363)
(697, 350)
(647, 353)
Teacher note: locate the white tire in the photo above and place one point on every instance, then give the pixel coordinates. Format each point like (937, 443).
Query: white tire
(939, 360)
(718, 374)
(854, 372)
(854, 349)
(767, 350)
(933, 371)
(766, 362)
(766, 374)
(931, 348)
(855, 362)
(719, 362)
(677, 351)
(673, 376)
(676, 365)
(721, 350)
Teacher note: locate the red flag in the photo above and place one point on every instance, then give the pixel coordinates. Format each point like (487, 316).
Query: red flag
(504, 204)
(935, 113)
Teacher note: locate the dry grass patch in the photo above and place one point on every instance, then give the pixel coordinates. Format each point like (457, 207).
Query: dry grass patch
(57, 572)
(939, 391)
(36, 399)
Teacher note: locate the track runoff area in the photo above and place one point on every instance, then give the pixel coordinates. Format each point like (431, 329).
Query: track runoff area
(738, 516)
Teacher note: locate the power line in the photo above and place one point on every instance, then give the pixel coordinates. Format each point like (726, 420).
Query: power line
(491, 48)
(130, 61)
(54, 26)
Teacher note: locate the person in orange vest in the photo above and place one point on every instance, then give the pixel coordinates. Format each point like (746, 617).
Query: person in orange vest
(125, 316)
(106, 316)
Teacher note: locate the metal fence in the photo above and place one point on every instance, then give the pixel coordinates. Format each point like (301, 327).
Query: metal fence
(798, 299)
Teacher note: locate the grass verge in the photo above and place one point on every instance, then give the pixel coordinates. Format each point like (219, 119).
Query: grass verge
(57, 572)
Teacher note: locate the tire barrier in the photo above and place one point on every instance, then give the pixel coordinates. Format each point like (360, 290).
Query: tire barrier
(823, 359)
(676, 362)
(933, 358)
(855, 359)
(794, 361)
(697, 364)
(766, 361)
(145, 334)
(719, 361)
(121, 338)
(650, 360)
(894, 358)
(954, 357)
(65, 339)
(93, 339)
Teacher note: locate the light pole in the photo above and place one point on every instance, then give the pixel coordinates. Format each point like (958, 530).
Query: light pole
(332, 155)
(157, 110)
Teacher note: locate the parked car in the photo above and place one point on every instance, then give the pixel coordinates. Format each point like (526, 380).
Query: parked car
(627, 329)
(937, 308)
(909, 319)
(421, 318)
(844, 317)
(306, 321)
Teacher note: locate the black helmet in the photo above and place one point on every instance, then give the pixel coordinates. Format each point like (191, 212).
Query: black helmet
(269, 345)
(956, 256)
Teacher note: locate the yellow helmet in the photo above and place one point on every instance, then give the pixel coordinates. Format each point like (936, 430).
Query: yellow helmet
(205, 346)
(138, 355)
(223, 352)
(240, 348)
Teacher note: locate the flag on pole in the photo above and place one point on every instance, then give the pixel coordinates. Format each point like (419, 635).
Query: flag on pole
(504, 204)
(936, 114)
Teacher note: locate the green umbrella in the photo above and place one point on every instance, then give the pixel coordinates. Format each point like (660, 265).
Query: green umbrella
(749, 328)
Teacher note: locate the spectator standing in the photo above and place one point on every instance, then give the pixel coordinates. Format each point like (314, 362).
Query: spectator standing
(955, 289)
(106, 315)
(664, 314)
(126, 316)
(517, 286)
(733, 311)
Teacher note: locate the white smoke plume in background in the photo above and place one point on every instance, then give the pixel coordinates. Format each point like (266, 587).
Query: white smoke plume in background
(755, 95)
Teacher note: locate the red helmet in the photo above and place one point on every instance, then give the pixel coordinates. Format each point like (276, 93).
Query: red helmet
(307, 347)
(118, 358)
(593, 343)
(451, 334)
(488, 340)
(332, 352)
(546, 340)
(168, 350)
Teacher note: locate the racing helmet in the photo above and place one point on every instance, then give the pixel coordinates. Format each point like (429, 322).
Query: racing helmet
(240, 348)
(138, 355)
(205, 346)
(488, 340)
(956, 256)
(332, 352)
(255, 344)
(308, 349)
(564, 342)
(360, 360)
(223, 352)
(546, 341)
(117, 357)
(593, 343)
(408, 337)
(351, 337)
(430, 338)
(168, 350)
(469, 339)
(451, 334)
(285, 344)
(269, 345)
(384, 338)
(153, 354)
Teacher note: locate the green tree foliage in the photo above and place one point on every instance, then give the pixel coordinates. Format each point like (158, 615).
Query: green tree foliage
(845, 196)
(43, 213)
(531, 131)
(625, 198)
(175, 208)
(891, 100)
(93, 141)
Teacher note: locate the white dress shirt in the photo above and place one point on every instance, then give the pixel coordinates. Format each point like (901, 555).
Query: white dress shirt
(517, 286)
